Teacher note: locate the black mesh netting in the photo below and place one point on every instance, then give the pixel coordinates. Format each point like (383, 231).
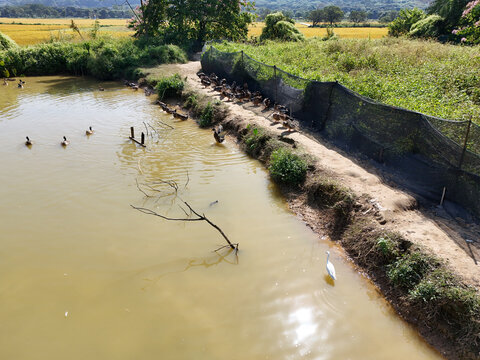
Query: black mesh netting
(428, 152)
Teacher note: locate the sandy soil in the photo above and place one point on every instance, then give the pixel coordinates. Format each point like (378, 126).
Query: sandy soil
(445, 237)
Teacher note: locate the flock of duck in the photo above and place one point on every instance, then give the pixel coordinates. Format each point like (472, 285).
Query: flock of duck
(64, 142)
(242, 94)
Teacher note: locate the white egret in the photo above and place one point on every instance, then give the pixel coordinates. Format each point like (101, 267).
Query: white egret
(330, 267)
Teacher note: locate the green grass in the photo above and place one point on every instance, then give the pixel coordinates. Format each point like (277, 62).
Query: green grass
(436, 79)
(169, 86)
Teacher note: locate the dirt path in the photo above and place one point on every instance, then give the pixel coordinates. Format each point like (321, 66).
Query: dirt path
(445, 238)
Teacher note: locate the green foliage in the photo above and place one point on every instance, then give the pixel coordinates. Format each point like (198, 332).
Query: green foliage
(450, 10)
(469, 24)
(333, 14)
(206, 117)
(254, 140)
(358, 16)
(316, 16)
(287, 167)
(430, 27)
(388, 248)
(103, 58)
(407, 271)
(187, 21)
(170, 86)
(404, 21)
(432, 78)
(6, 43)
(280, 27)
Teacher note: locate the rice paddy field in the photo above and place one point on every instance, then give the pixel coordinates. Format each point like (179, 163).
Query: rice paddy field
(343, 32)
(25, 31)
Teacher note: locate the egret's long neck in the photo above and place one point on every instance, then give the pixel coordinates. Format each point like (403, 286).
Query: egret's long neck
(328, 256)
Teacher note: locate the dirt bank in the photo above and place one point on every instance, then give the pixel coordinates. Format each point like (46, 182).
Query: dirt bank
(380, 208)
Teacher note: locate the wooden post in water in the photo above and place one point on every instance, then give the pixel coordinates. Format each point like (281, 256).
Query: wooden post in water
(132, 137)
(465, 143)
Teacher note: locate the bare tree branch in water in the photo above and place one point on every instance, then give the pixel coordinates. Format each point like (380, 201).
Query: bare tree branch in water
(193, 216)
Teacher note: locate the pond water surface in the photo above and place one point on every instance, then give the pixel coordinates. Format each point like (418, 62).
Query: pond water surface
(85, 276)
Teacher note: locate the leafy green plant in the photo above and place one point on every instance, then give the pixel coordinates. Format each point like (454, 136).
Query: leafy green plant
(280, 27)
(387, 248)
(254, 141)
(170, 86)
(402, 24)
(407, 271)
(287, 167)
(206, 117)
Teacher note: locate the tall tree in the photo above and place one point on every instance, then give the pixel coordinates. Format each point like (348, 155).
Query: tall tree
(179, 21)
(358, 16)
(316, 16)
(333, 14)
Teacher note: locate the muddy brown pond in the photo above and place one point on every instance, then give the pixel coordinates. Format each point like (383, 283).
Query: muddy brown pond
(85, 276)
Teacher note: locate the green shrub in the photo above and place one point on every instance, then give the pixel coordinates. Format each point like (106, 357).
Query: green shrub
(6, 42)
(387, 247)
(287, 167)
(206, 117)
(280, 27)
(254, 141)
(430, 27)
(402, 24)
(407, 271)
(170, 86)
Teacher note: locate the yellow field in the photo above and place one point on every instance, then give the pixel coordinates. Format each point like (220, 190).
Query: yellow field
(349, 33)
(33, 31)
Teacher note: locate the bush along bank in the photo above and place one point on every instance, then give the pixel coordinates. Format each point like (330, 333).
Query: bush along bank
(422, 289)
(104, 58)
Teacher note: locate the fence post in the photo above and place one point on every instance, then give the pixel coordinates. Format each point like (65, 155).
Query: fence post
(465, 144)
(275, 76)
(327, 114)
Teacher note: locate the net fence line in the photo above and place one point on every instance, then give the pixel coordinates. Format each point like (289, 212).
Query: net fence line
(445, 152)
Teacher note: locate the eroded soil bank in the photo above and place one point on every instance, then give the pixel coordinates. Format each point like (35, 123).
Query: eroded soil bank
(377, 224)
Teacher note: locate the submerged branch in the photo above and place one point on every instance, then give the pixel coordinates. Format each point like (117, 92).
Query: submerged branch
(188, 217)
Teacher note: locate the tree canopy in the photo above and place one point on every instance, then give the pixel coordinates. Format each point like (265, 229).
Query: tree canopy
(358, 16)
(333, 14)
(316, 16)
(180, 21)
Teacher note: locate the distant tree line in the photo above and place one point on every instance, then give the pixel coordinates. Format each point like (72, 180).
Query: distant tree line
(42, 11)
(319, 15)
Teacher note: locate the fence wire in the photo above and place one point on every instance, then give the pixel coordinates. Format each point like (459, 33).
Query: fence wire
(430, 153)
